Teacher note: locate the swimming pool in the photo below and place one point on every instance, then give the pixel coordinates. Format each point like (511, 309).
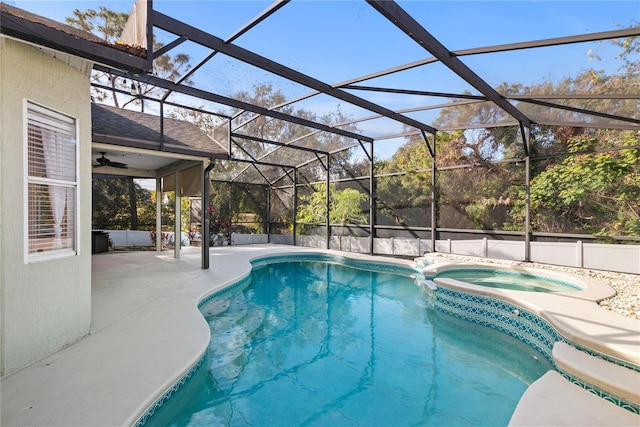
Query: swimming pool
(507, 279)
(319, 343)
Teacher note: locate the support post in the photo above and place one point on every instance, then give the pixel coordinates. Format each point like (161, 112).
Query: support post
(527, 201)
(328, 203)
(295, 205)
(579, 254)
(158, 214)
(205, 219)
(267, 225)
(230, 212)
(434, 197)
(177, 237)
(149, 35)
(372, 203)
(161, 125)
(133, 206)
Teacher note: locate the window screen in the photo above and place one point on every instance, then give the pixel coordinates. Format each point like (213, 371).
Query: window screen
(51, 183)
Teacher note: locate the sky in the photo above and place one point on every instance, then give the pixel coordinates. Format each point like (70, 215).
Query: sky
(303, 34)
(334, 41)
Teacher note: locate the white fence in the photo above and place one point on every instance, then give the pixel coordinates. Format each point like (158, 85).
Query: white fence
(248, 239)
(129, 237)
(622, 258)
(121, 238)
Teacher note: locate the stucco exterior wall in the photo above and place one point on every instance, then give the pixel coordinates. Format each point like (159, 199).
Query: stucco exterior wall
(45, 305)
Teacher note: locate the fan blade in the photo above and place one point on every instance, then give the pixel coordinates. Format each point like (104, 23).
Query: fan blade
(104, 161)
(117, 165)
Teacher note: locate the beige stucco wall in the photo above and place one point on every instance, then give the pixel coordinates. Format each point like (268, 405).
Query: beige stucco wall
(45, 305)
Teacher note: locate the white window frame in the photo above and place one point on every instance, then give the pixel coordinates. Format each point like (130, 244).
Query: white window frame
(73, 123)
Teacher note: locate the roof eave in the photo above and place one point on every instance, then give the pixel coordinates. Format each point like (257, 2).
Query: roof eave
(42, 35)
(155, 146)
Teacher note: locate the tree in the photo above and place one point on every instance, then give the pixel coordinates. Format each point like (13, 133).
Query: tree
(571, 191)
(595, 193)
(108, 25)
(112, 208)
(345, 206)
(147, 211)
(404, 193)
(482, 145)
(250, 198)
(104, 22)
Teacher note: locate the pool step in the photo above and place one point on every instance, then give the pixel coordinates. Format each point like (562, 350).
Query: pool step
(614, 379)
(429, 284)
(429, 288)
(253, 320)
(221, 324)
(236, 325)
(228, 347)
(554, 401)
(238, 308)
(229, 343)
(215, 307)
(230, 335)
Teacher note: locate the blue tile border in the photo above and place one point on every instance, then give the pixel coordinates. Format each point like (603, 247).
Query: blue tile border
(525, 326)
(500, 315)
(170, 393)
(377, 266)
(240, 284)
(616, 400)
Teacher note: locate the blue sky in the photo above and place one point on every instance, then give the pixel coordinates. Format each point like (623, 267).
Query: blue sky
(314, 36)
(334, 41)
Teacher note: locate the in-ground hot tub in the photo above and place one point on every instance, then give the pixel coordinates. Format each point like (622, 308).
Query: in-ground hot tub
(509, 279)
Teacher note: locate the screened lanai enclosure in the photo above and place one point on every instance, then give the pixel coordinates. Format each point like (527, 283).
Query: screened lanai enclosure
(498, 129)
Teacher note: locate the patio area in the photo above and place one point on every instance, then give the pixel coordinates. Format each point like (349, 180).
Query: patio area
(147, 332)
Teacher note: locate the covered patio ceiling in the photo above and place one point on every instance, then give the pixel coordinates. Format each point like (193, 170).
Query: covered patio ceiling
(132, 143)
(139, 163)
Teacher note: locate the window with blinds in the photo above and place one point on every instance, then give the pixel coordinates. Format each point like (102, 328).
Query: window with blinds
(51, 183)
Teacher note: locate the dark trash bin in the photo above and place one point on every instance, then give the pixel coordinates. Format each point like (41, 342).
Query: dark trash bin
(99, 242)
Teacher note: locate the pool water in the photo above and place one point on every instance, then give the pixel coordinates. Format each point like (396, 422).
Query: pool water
(322, 344)
(509, 280)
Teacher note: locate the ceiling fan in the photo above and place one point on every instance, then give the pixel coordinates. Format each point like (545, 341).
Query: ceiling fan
(103, 161)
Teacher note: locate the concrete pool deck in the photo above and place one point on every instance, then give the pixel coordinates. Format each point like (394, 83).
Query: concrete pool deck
(146, 333)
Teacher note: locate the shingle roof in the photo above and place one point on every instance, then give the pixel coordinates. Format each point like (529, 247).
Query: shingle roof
(132, 128)
(37, 29)
(31, 17)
